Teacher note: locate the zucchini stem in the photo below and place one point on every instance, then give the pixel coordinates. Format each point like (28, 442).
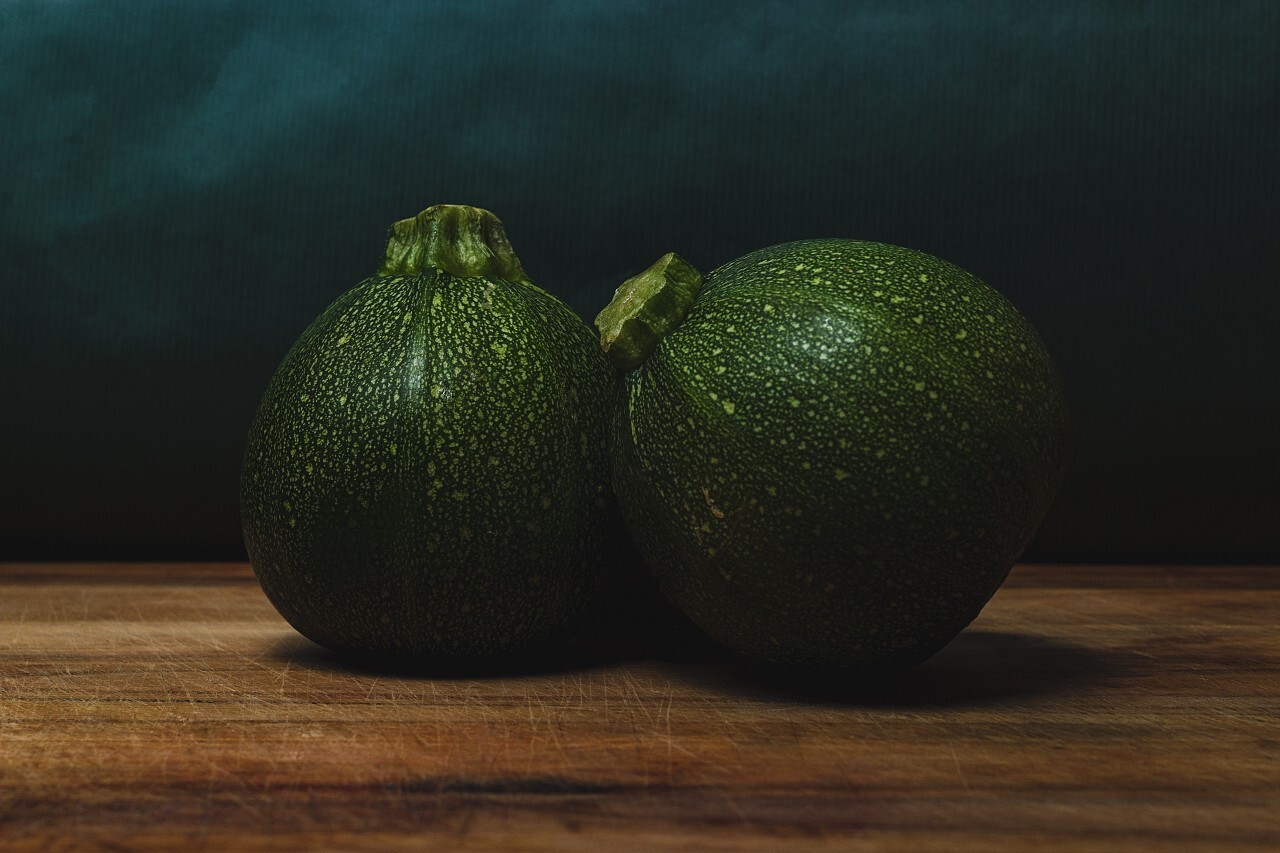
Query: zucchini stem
(645, 309)
(458, 239)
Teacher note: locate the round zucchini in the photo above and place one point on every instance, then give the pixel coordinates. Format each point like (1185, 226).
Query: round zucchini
(427, 473)
(830, 452)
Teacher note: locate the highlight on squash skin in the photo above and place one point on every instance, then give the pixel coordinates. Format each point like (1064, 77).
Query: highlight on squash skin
(831, 463)
(464, 241)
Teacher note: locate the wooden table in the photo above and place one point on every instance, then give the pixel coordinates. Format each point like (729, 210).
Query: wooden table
(1091, 708)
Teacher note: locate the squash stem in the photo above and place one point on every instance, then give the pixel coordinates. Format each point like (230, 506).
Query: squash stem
(645, 309)
(460, 240)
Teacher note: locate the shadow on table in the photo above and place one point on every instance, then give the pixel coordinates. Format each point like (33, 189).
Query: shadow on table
(978, 667)
(299, 651)
(663, 635)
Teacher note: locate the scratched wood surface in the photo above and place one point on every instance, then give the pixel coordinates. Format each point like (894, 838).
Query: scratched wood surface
(1091, 708)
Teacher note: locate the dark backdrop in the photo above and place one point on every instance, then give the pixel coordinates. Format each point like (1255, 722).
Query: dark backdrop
(184, 186)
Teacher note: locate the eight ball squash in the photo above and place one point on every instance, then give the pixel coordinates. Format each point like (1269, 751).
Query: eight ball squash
(833, 459)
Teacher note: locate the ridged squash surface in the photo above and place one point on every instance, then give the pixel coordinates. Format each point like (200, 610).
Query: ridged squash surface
(427, 472)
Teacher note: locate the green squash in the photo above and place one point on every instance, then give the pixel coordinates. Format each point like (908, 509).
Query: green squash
(834, 459)
(427, 473)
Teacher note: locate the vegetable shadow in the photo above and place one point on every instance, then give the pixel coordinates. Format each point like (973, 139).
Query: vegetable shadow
(648, 632)
(298, 651)
(629, 621)
(978, 667)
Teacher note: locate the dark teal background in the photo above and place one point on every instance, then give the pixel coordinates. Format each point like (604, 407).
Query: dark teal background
(185, 186)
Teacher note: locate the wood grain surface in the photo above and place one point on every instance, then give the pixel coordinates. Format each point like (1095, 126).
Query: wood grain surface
(1090, 708)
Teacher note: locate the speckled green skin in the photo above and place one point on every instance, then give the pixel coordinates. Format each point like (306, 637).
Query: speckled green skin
(427, 474)
(835, 460)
